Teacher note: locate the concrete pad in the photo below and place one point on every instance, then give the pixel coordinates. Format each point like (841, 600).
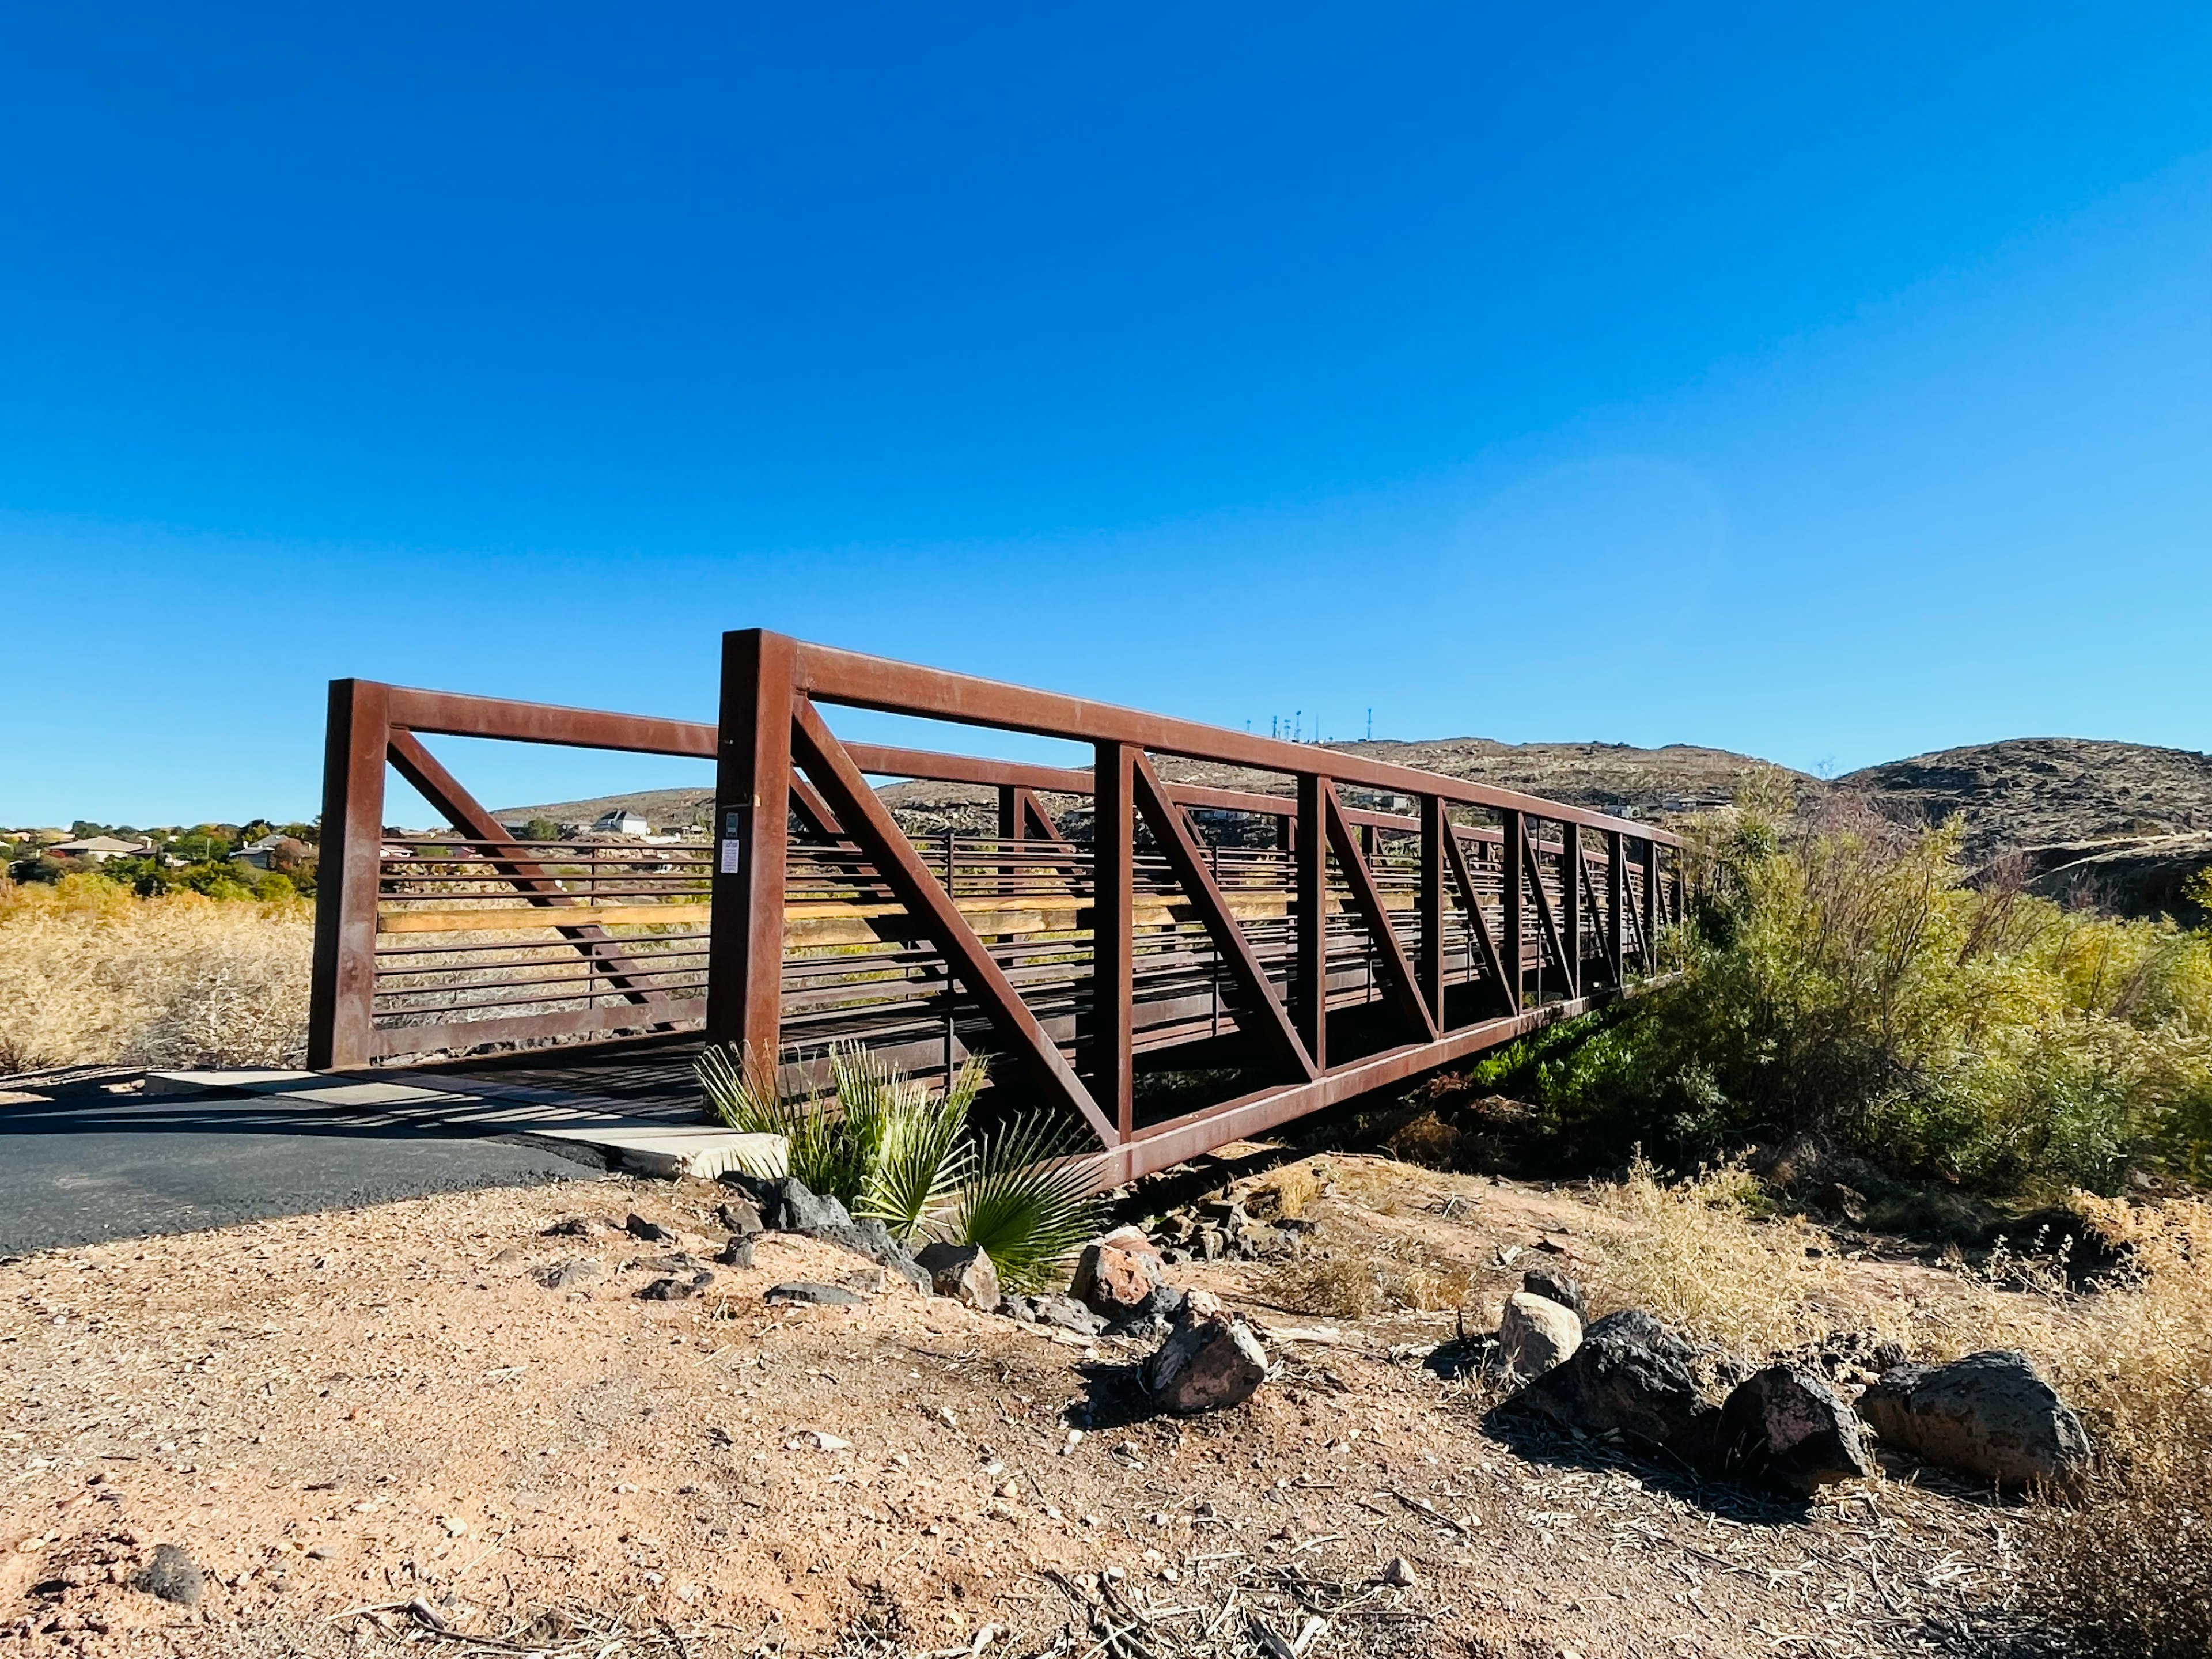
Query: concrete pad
(646, 1145)
(705, 1153)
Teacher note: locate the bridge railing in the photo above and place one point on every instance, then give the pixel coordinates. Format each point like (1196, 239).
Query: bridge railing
(1171, 965)
(1170, 992)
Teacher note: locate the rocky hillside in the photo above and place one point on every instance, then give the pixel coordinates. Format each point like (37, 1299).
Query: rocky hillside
(2046, 792)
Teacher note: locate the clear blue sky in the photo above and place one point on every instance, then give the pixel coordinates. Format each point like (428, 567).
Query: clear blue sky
(1831, 386)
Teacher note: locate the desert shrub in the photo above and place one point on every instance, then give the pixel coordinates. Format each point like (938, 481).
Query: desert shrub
(1845, 980)
(90, 974)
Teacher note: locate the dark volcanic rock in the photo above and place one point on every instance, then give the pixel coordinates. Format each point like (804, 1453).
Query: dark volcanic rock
(787, 1206)
(566, 1275)
(1785, 1427)
(676, 1289)
(1062, 1312)
(1633, 1377)
(963, 1273)
(1989, 1414)
(806, 1291)
(873, 1240)
(172, 1575)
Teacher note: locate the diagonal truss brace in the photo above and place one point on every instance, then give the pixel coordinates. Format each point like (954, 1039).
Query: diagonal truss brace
(933, 913)
(532, 880)
(1464, 879)
(1544, 911)
(1404, 989)
(1592, 908)
(1171, 830)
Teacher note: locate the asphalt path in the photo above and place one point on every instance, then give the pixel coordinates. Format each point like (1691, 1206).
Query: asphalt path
(83, 1164)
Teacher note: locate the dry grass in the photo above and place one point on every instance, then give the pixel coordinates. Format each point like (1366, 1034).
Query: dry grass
(1286, 1197)
(2130, 1570)
(1697, 1253)
(1357, 1276)
(92, 974)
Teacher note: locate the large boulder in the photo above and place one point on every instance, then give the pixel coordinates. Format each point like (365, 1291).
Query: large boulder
(1785, 1427)
(1536, 1334)
(1633, 1377)
(1207, 1365)
(963, 1273)
(787, 1206)
(1989, 1414)
(1119, 1276)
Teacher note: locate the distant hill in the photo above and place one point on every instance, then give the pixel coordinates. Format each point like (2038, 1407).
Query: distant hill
(664, 809)
(2040, 792)
(2121, 825)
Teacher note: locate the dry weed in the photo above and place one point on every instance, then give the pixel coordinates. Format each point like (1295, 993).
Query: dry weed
(92, 974)
(2131, 1571)
(1427, 1140)
(1357, 1277)
(1695, 1253)
(1286, 1197)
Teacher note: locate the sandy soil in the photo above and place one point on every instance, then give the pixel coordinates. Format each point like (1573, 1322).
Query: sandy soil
(374, 1408)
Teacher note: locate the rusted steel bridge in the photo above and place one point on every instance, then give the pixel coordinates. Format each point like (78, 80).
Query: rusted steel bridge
(1173, 965)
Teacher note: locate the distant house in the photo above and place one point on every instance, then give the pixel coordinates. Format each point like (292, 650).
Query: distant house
(270, 851)
(98, 849)
(621, 821)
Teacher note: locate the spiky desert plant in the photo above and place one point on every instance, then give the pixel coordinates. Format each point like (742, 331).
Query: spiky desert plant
(897, 1153)
(1031, 1201)
(922, 1152)
(743, 1090)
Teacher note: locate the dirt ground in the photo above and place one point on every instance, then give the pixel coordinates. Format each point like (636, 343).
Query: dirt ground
(338, 1416)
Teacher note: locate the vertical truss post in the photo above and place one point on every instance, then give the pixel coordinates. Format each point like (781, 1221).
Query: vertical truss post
(1650, 855)
(341, 1014)
(1434, 829)
(1310, 952)
(1113, 973)
(1010, 813)
(1570, 902)
(752, 812)
(1616, 907)
(1513, 848)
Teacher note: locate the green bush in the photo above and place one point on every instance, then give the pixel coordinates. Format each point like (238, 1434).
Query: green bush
(1846, 981)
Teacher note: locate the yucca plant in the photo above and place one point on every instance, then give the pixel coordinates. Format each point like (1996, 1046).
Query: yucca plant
(1030, 1200)
(744, 1092)
(922, 1151)
(893, 1152)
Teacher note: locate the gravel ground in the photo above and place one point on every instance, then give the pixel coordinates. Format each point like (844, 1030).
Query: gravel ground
(366, 1426)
